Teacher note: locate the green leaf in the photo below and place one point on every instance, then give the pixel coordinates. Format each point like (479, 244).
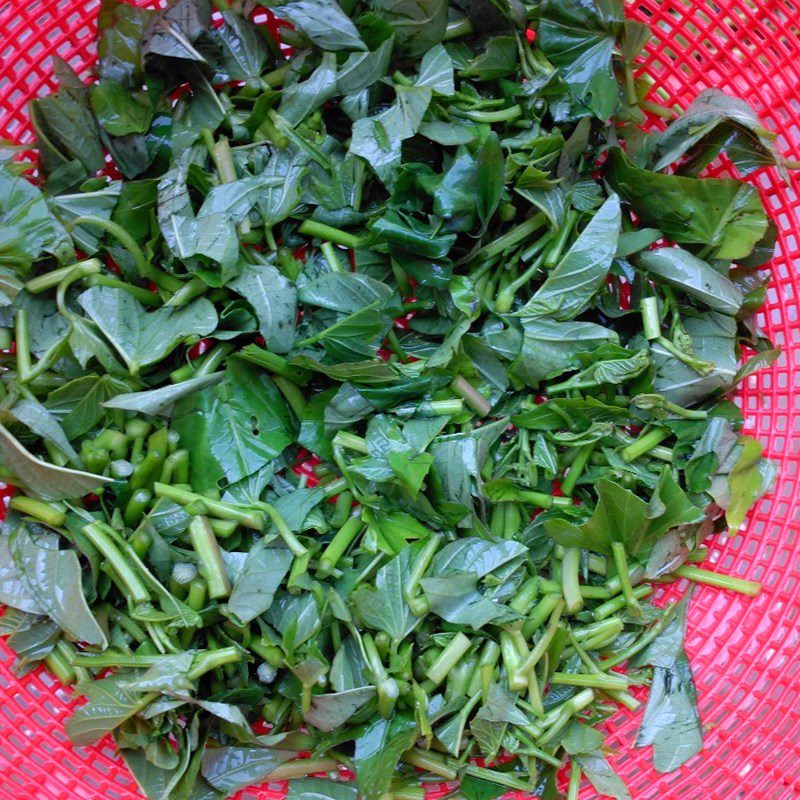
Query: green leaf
(750, 479)
(498, 59)
(579, 38)
(68, 207)
(490, 172)
(331, 711)
(474, 555)
(550, 348)
(66, 132)
(38, 419)
(160, 402)
(601, 775)
(361, 70)
(283, 182)
(684, 271)
(570, 287)
(109, 707)
(42, 479)
(436, 71)
(182, 23)
(323, 21)
(621, 516)
(244, 51)
(724, 213)
(378, 750)
(254, 589)
(711, 113)
(143, 338)
(118, 110)
(455, 598)
(119, 31)
(274, 300)
(713, 339)
(28, 227)
(367, 373)
(347, 292)
(384, 608)
(459, 459)
(417, 24)
(78, 404)
(671, 721)
(300, 99)
(233, 429)
(498, 710)
(232, 768)
(378, 139)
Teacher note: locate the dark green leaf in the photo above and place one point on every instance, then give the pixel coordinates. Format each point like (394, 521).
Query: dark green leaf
(378, 750)
(681, 269)
(144, 337)
(263, 571)
(721, 212)
(233, 429)
(232, 768)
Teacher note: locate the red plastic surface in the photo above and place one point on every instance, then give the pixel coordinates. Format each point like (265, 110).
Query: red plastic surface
(745, 652)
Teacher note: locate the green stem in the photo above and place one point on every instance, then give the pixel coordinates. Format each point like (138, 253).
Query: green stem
(191, 289)
(206, 546)
(301, 768)
(49, 280)
(395, 346)
(419, 605)
(505, 297)
(319, 230)
(58, 662)
(644, 444)
(471, 396)
(23, 344)
(142, 295)
(216, 508)
(553, 255)
(344, 537)
(213, 659)
(513, 237)
(448, 658)
(709, 578)
(143, 266)
(331, 257)
(574, 781)
(651, 318)
(38, 509)
(489, 117)
(526, 595)
(644, 641)
(618, 603)
(570, 580)
(576, 468)
(432, 762)
(500, 778)
(544, 642)
(621, 563)
(290, 540)
(350, 442)
(98, 534)
(292, 394)
(603, 682)
(460, 27)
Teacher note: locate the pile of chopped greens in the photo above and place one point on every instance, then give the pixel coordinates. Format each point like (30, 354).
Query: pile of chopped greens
(362, 386)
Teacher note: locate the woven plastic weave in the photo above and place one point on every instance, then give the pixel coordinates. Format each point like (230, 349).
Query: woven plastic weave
(745, 652)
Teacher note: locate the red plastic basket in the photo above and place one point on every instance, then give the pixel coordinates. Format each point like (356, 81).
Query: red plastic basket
(745, 652)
